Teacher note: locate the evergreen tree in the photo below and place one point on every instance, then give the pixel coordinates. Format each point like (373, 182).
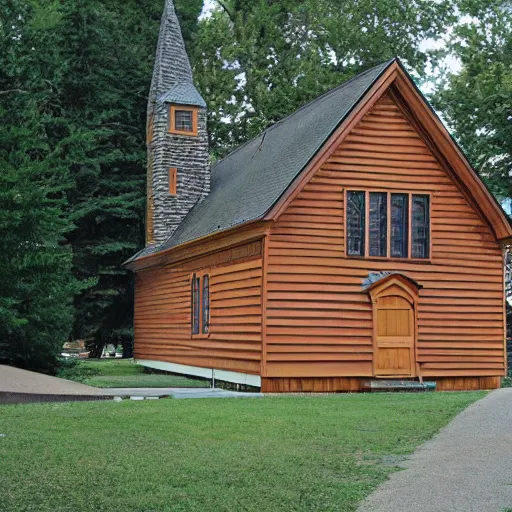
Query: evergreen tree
(107, 49)
(188, 12)
(36, 282)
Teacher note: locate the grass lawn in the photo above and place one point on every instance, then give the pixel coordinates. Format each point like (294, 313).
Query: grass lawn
(270, 454)
(124, 373)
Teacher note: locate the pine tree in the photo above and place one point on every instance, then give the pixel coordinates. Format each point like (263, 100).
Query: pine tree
(107, 50)
(37, 286)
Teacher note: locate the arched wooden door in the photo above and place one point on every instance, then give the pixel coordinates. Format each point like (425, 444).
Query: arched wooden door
(394, 328)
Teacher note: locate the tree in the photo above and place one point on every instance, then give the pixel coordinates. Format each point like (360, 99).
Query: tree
(257, 61)
(102, 97)
(477, 100)
(36, 283)
(188, 12)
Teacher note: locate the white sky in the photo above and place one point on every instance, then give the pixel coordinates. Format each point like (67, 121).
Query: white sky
(208, 6)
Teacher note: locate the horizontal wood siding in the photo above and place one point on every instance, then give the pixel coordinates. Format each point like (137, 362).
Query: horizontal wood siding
(319, 323)
(163, 311)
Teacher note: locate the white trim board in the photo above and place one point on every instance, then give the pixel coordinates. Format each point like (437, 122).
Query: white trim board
(207, 373)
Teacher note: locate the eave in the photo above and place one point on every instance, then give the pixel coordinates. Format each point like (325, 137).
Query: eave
(237, 235)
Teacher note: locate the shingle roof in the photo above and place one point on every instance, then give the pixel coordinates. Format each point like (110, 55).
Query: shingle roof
(183, 94)
(375, 277)
(251, 179)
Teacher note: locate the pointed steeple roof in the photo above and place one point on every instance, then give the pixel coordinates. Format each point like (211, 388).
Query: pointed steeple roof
(172, 75)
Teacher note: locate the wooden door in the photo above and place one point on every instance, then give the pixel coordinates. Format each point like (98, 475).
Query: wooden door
(394, 337)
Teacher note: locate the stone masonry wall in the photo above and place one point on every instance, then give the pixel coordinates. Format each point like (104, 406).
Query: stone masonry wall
(188, 154)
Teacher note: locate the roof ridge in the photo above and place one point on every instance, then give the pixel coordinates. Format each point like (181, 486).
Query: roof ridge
(318, 99)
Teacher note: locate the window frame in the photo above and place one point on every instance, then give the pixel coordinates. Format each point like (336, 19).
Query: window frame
(200, 275)
(367, 256)
(172, 120)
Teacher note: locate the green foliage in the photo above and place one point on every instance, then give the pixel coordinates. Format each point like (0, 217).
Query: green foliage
(102, 96)
(319, 453)
(188, 12)
(477, 101)
(258, 61)
(37, 285)
(72, 369)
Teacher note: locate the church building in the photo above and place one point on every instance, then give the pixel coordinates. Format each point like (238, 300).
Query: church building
(350, 242)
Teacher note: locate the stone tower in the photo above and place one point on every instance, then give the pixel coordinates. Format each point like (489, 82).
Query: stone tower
(177, 140)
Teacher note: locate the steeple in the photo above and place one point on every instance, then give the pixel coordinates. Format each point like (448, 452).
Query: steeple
(178, 163)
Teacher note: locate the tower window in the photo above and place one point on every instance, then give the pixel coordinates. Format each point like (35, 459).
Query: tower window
(183, 120)
(150, 128)
(173, 178)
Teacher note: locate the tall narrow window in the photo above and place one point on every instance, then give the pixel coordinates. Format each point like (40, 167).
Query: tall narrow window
(420, 226)
(206, 304)
(399, 225)
(378, 227)
(150, 128)
(356, 205)
(200, 300)
(173, 178)
(196, 283)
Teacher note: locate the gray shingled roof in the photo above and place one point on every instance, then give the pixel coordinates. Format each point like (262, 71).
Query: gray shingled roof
(250, 180)
(375, 277)
(183, 94)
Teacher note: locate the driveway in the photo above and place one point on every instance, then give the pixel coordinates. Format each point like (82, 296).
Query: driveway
(467, 467)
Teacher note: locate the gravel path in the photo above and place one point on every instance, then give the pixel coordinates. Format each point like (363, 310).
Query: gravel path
(467, 467)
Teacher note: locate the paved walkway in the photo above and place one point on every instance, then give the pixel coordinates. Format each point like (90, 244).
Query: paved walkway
(179, 393)
(467, 467)
(21, 386)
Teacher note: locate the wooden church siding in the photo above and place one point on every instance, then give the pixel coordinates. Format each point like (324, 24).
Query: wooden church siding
(163, 312)
(319, 322)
